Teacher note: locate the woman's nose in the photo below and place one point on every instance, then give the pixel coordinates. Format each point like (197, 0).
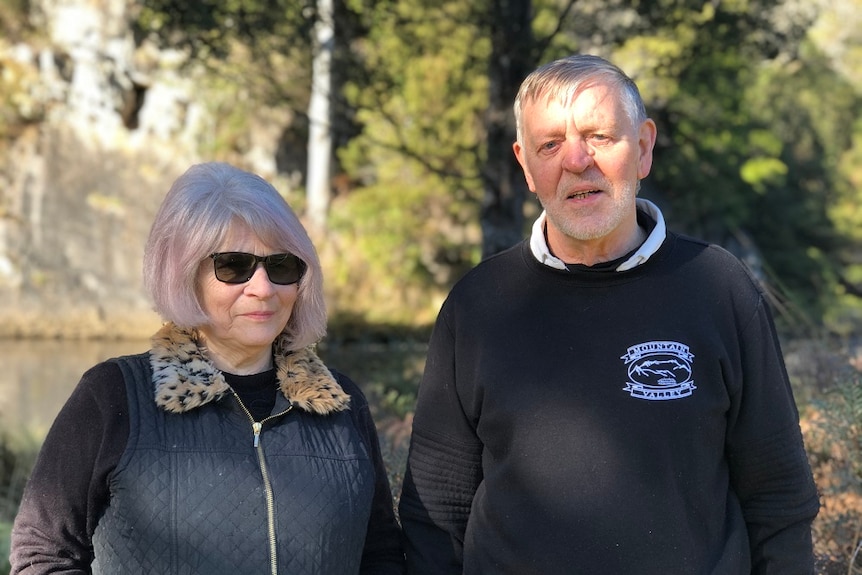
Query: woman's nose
(259, 283)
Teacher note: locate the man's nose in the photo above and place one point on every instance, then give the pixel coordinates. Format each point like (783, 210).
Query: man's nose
(578, 155)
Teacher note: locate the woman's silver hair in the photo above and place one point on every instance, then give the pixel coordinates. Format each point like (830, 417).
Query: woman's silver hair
(563, 79)
(197, 214)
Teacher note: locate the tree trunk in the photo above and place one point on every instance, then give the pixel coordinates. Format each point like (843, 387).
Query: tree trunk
(502, 215)
(318, 189)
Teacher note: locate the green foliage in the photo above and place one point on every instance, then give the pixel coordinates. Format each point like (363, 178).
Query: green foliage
(754, 132)
(251, 58)
(760, 173)
(397, 234)
(20, 104)
(14, 19)
(5, 534)
(11, 86)
(752, 122)
(757, 104)
(846, 211)
(16, 459)
(764, 168)
(851, 406)
(843, 409)
(416, 160)
(17, 456)
(387, 369)
(424, 92)
(209, 28)
(812, 111)
(703, 127)
(834, 445)
(845, 314)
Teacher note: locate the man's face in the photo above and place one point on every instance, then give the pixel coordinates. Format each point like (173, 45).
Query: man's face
(583, 161)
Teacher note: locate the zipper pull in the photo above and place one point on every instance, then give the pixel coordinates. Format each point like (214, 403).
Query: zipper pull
(256, 426)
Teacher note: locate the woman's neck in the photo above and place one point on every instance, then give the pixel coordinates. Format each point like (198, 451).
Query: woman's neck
(243, 361)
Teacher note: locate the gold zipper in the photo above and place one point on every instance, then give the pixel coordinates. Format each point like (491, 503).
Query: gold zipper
(257, 427)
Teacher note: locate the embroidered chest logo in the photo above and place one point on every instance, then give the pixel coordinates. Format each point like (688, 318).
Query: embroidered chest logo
(659, 370)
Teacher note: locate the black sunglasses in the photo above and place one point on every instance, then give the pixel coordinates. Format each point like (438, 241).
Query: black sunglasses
(238, 267)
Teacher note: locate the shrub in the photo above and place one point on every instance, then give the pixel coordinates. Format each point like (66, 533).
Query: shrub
(834, 443)
(17, 456)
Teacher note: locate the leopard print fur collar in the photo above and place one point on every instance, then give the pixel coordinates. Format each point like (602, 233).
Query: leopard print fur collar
(185, 379)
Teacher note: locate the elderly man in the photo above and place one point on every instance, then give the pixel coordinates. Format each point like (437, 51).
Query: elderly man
(606, 397)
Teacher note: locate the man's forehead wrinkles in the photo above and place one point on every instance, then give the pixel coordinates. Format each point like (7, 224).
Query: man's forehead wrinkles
(557, 119)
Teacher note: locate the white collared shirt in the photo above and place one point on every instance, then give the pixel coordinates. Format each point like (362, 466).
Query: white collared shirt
(540, 249)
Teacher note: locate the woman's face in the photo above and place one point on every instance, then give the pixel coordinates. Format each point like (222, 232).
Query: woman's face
(244, 318)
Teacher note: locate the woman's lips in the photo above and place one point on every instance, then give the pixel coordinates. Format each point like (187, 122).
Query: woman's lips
(260, 315)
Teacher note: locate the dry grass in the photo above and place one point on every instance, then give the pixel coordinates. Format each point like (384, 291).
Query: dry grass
(833, 435)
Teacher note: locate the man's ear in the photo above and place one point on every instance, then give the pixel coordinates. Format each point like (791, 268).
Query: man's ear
(646, 143)
(519, 154)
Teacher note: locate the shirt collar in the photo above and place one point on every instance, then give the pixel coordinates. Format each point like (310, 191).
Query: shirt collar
(541, 252)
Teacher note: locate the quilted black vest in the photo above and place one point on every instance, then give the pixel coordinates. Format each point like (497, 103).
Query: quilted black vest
(188, 495)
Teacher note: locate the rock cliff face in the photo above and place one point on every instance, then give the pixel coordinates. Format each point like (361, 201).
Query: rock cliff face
(102, 126)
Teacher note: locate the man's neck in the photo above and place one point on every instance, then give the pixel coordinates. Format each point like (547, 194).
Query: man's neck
(592, 252)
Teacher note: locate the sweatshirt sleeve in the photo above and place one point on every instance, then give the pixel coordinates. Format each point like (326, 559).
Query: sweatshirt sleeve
(443, 467)
(68, 486)
(383, 553)
(768, 463)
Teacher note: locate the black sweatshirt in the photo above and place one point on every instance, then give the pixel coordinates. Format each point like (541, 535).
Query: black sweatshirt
(635, 422)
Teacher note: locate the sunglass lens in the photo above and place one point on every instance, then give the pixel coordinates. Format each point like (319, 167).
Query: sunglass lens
(234, 267)
(284, 269)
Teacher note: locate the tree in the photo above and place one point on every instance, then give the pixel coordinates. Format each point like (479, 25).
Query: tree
(513, 56)
(319, 126)
(750, 123)
(415, 162)
(515, 51)
(422, 125)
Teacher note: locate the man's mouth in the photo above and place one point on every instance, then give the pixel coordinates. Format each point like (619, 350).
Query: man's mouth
(582, 195)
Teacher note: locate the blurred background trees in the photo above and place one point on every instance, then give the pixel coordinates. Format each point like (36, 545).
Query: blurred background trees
(757, 102)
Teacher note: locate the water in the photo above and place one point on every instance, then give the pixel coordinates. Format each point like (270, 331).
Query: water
(37, 376)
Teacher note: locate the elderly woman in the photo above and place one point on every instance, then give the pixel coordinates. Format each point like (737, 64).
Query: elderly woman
(229, 447)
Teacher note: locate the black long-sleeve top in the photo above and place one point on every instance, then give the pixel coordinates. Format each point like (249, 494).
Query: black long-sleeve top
(583, 421)
(69, 486)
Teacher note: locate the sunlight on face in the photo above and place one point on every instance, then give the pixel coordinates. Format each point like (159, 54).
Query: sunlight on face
(244, 318)
(583, 159)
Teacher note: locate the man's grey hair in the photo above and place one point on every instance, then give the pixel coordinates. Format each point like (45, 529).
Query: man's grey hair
(565, 78)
